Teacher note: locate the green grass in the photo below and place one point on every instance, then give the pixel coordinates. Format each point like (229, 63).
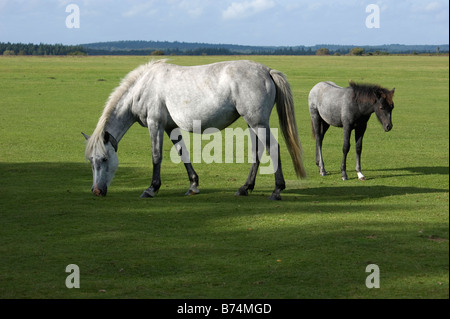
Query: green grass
(315, 243)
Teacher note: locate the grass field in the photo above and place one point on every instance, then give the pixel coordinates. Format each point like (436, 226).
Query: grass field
(315, 243)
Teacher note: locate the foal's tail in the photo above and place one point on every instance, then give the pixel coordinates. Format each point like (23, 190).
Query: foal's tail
(285, 109)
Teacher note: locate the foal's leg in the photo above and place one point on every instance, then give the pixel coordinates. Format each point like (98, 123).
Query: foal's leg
(180, 146)
(359, 133)
(345, 150)
(156, 135)
(257, 151)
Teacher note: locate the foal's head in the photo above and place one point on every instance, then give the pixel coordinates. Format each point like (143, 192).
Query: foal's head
(102, 154)
(384, 107)
(380, 98)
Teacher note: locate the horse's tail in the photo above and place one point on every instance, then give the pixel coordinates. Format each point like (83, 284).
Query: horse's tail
(286, 115)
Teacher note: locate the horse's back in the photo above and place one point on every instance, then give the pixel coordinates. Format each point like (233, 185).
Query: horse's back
(214, 94)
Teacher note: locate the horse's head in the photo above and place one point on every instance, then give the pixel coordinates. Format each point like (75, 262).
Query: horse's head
(102, 154)
(384, 107)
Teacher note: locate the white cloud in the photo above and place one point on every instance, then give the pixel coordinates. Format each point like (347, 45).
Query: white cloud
(146, 7)
(238, 10)
(193, 8)
(434, 6)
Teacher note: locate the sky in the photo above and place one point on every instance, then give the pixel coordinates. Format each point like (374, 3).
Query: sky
(244, 22)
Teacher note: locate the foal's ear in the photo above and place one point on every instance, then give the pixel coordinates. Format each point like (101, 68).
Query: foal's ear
(393, 91)
(85, 136)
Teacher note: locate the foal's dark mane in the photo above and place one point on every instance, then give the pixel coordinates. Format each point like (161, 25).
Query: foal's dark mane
(369, 93)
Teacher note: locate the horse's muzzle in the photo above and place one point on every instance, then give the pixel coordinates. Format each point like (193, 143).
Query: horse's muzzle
(388, 127)
(99, 192)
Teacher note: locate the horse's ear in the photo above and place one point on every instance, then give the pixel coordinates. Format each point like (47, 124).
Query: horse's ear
(85, 136)
(393, 91)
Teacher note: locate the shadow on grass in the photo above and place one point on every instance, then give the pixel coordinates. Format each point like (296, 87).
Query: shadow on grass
(212, 245)
(29, 178)
(417, 170)
(425, 170)
(408, 171)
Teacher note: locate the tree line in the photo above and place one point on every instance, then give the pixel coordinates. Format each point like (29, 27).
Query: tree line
(183, 48)
(188, 48)
(40, 49)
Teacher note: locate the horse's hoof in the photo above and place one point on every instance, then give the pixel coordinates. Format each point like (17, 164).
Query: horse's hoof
(192, 192)
(241, 192)
(275, 197)
(148, 194)
(362, 178)
(344, 178)
(323, 173)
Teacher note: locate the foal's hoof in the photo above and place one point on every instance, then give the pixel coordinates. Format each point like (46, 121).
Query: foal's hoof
(344, 178)
(362, 178)
(323, 173)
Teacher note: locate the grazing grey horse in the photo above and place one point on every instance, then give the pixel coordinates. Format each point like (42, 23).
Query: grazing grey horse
(164, 97)
(349, 108)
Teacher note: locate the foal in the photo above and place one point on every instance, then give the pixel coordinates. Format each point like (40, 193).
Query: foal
(349, 108)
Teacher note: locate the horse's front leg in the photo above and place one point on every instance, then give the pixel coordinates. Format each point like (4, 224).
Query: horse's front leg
(177, 139)
(345, 150)
(359, 133)
(156, 135)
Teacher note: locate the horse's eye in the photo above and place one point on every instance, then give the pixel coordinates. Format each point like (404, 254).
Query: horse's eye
(104, 159)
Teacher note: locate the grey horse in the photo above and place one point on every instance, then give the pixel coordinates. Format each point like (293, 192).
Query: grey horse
(164, 97)
(349, 108)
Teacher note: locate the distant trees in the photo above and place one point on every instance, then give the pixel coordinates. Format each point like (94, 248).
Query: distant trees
(157, 52)
(323, 51)
(357, 51)
(40, 49)
(183, 48)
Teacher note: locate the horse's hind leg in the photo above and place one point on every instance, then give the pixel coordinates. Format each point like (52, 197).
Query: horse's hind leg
(273, 148)
(257, 151)
(320, 127)
(177, 139)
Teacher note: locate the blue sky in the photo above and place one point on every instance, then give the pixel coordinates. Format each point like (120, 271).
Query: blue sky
(247, 22)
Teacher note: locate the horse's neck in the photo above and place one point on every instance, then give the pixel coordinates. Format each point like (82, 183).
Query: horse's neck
(119, 122)
(366, 108)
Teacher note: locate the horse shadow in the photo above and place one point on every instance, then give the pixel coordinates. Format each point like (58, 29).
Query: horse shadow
(422, 170)
(76, 178)
(333, 193)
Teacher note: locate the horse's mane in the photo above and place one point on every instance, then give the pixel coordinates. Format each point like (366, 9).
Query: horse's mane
(96, 140)
(369, 93)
